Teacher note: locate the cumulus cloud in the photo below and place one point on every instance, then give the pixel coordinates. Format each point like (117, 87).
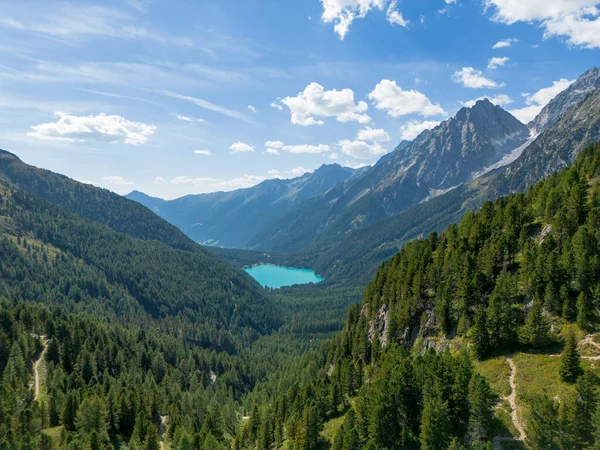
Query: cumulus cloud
(356, 165)
(115, 180)
(496, 62)
(360, 149)
(305, 148)
(370, 134)
(203, 152)
(276, 106)
(576, 20)
(499, 100)
(274, 144)
(536, 102)
(388, 96)
(315, 101)
(101, 127)
(412, 129)
(505, 43)
(272, 151)
(210, 183)
(343, 12)
(473, 78)
(252, 108)
(159, 180)
(394, 16)
(241, 147)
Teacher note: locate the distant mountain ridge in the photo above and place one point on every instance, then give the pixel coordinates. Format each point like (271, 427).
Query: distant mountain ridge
(231, 219)
(437, 160)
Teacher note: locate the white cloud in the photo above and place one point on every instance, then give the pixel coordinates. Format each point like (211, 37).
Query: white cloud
(203, 152)
(473, 78)
(334, 156)
(116, 180)
(343, 12)
(305, 148)
(207, 105)
(397, 102)
(315, 101)
(395, 17)
(500, 100)
(159, 180)
(505, 43)
(412, 129)
(577, 20)
(252, 108)
(101, 127)
(496, 62)
(292, 173)
(219, 184)
(370, 134)
(188, 119)
(276, 106)
(192, 181)
(536, 102)
(298, 171)
(360, 149)
(241, 147)
(274, 144)
(356, 165)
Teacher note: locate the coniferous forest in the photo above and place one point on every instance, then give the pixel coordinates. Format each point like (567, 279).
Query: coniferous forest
(102, 347)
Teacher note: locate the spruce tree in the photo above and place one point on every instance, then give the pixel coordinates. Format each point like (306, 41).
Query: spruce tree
(586, 405)
(480, 402)
(479, 335)
(583, 311)
(543, 425)
(435, 424)
(537, 326)
(570, 361)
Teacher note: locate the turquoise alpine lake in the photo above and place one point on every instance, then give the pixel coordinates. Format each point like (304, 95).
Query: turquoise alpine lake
(275, 277)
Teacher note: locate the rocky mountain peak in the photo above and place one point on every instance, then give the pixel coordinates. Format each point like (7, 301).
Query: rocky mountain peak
(566, 100)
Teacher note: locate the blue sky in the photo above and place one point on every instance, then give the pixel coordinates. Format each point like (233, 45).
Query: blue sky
(173, 98)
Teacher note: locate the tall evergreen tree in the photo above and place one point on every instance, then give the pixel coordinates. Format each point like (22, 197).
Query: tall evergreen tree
(570, 361)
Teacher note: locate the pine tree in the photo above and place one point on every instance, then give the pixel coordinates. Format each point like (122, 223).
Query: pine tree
(586, 404)
(583, 311)
(570, 361)
(152, 438)
(543, 425)
(537, 327)
(480, 402)
(479, 335)
(69, 412)
(435, 424)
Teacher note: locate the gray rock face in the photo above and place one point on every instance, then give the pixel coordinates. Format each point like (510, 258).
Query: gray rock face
(453, 152)
(437, 160)
(555, 148)
(566, 100)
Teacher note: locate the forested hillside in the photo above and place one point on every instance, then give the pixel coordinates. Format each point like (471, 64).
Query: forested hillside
(521, 275)
(90, 202)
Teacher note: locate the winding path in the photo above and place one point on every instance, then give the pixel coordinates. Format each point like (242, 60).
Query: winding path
(512, 399)
(161, 431)
(36, 366)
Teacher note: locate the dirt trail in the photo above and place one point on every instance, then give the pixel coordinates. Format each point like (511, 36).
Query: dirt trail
(589, 340)
(36, 366)
(512, 398)
(161, 431)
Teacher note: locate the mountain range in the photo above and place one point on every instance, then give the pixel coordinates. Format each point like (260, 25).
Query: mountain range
(480, 153)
